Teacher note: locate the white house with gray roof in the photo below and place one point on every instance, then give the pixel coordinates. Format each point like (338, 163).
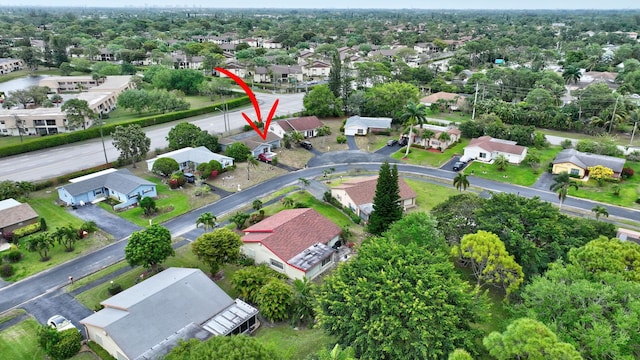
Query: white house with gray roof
(121, 185)
(147, 320)
(577, 163)
(190, 158)
(357, 125)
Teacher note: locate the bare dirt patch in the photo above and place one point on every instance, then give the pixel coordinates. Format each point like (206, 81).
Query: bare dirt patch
(231, 180)
(296, 157)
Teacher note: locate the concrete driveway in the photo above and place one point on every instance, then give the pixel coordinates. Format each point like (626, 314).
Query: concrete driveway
(119, 228)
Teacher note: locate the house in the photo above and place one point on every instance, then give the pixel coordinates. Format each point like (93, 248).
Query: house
(358, 195)
(452, 101)
(299, 243)
(189, 158)
(147, 320)
(576, 163)
(628, 235)
(253, 141)
(15, 215)
(235, 68)
(486, 149)
(434, 141)
(308, 126)
(357, 125)
(121, 185)
(316, 69)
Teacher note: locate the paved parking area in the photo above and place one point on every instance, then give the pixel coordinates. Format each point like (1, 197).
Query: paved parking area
(110, 223)
(58, 303)
(388, 150)
(449, 164)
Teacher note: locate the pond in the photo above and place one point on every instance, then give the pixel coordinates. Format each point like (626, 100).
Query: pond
(21, 83)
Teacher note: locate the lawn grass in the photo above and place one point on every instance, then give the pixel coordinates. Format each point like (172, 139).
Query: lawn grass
(327, 210)
(429, 194)
(454, 116)
(78, 283)
(11, 314)
(293, 344)
(20, 341)
(92, 297)
(629, 190)
(418, 156)
(515, 174)
(43, 202)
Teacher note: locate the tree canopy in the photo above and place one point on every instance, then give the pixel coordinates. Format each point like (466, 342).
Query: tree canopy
(132, 142)
(386, 202)
(149, 247)
(237, 347)
(216, 248)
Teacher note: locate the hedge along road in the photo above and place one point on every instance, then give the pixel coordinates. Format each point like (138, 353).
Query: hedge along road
(50, 163)
(18, 293)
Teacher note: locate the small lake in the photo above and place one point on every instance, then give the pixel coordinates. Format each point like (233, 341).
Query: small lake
(21, 83)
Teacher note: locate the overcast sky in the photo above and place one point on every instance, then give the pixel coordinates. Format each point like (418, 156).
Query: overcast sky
(341, 4)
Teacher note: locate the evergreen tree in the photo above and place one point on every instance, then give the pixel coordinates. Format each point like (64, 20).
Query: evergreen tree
(335, 75)
(386, 203)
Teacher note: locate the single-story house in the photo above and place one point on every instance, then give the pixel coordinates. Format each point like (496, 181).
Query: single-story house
(357, 125)
(576, 163)
(111, 183)
(14, 215)
(189, 158)
(147, 320)
(486, 149)
(308, 126)
(453, 101)
(253, 141)
(628, 235)
(299, 243)
(434, 141)
(358, 194)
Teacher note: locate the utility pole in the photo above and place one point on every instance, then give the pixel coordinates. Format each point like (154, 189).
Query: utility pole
(613, 116)
(635, 125)
(104, 149)
(19, 126)
(475, 98)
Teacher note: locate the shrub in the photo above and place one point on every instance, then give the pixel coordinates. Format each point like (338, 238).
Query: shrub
(6, 270)
(566, 144)
(68, 344)
(627, 173)
(27, 230)
(382, 132)
(633, 156)
(13, 256)
(114, 288)
(89, 226)
(238, 151)
(248, 127)
(341, 139)
(43, 224)
(8, 235)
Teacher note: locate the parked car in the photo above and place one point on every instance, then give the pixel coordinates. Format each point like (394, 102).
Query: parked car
(266, 157)
(403, 141)
(306, 144)
(392, 142)
(60, 323)
(459, 165)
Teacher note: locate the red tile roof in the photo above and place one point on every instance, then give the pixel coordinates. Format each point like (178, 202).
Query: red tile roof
(362, 191)
(290, 232)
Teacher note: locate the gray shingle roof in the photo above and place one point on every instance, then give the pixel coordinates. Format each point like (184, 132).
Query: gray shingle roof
(585, 160)
(122, 181)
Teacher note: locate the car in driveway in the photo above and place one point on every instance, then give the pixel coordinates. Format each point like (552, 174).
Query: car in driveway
(459, 165)
(266, 157)
(60, 323)
(306, 144)
(403, 141)
(392, 142)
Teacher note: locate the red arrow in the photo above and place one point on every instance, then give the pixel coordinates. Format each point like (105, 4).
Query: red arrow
(256, 106)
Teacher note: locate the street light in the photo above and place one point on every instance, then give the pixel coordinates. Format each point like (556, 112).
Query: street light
(104, 149)
(225, 117)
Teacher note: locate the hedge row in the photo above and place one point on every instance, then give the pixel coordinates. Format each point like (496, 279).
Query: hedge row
(94, 132)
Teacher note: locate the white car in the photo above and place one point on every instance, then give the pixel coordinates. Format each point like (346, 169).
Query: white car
(60, 323)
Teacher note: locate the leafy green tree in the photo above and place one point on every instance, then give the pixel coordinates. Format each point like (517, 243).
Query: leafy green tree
(15, 189)
(132, 142)
(528, 339)
(461, 182)
(274, 300)
(238, 347)
(490, 262)
(165, 166)
(416, 228)
(455, 216)
(59, 345)
(66, 236)
(337, 353)
(238, 151)
(364, 303)
(414, 114)
(608, 255)
(303, 302)
(239, 218)
(217, 248)
(148, 205)
(252, 163)
(561, 184)
(78, 112)
(571, 74)
(149, 247)
(182, 135)
(207, 220)
(389, 99)
(40, 243)
(134, 99)
(386, 202)
(460, 354)
(248, 281)
(322, 102)
(257, 204)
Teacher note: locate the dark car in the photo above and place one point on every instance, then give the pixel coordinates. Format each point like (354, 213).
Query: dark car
(306, 144)
(403, 141)
(392, 142)
(459, 165)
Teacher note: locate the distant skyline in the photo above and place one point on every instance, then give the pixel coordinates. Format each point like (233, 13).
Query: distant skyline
(341, 4)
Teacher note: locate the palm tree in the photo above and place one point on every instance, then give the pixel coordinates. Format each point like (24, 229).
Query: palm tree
(634, 118)
(571, 73)
(413, 113)
(251, 163)
(501, 162)
(600, 210)
(207, 220)
(561, 184)
(461, 182)
(288, 202)
(428, 134)
(443, 137)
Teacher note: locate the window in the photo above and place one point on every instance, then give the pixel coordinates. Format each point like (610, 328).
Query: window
(51, 122)
(575, 172)
(276, 264)
(97, 192)
(360, 131)
(326, 261)
(483, 155)
(147, 190)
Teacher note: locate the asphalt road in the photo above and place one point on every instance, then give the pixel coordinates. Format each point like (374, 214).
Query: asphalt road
(49, 163)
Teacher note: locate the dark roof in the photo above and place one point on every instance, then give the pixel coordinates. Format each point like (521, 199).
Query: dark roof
(122, 181)
(16, 214)
(250, 139)
(585, 160)
(301, 123)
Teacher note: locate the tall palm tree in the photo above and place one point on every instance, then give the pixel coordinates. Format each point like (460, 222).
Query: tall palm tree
(444, 137)
(571, 73)
(207, 220)
(413, 114)
(461, 182)
(501, 162)
(251, 163)
(428, 134)
(561, 185)
(599, 210)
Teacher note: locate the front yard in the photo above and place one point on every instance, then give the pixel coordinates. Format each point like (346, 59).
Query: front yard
(422, 157)
(629, 190)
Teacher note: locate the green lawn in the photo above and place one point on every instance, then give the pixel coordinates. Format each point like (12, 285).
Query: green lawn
(43, 202)
(170, 203)
(293, 344)
(20, 341)
(629, 190)
(516, 174)
(430, 195)
(418, 156)
(327, 210)
(456, 116)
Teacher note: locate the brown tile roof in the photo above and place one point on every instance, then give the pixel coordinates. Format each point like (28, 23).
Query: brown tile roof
(290, 232)
(301, 123)
(490, 144)
(16, 214)
(252, 142)
(362, 191)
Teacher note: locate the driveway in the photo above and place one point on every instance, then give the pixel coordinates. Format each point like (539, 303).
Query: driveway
(351, 141)
(449, 164)
(58, 302)
(388, 150)
(544, 182)
(348, 157)
(106, 221)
